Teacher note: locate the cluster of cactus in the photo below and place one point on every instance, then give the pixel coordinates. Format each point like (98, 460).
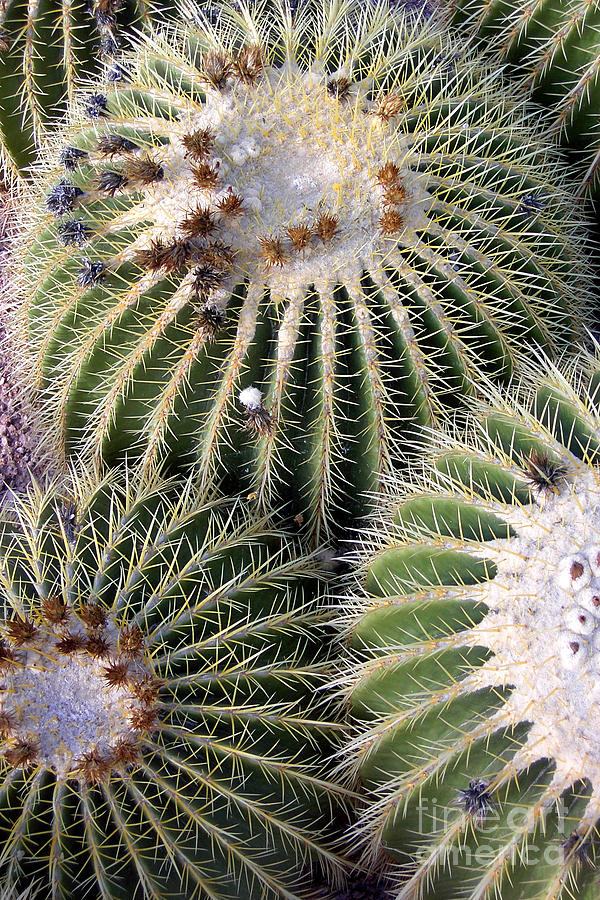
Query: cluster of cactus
(269, 263)
(554, 48)
(279, 246)
(476, 640)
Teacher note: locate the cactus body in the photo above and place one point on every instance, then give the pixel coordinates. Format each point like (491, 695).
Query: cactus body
(158, 736)
(325, 227)
(476, 650)
(554, 48)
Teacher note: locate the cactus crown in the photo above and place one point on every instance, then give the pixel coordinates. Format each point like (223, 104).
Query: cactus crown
(323, 207)
(477, 635)
(77, 697)
(159, 661)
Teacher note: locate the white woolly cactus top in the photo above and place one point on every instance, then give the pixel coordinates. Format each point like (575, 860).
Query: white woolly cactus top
(543, 627)
(299, 174)
(306, 165)
(68, 698)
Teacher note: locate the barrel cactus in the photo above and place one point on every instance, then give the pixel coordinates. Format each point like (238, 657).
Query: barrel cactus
(474, 669)
(159, 735)
(281, 244)
(554, 48)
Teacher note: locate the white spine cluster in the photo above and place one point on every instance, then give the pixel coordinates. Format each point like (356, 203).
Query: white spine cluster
(251, 398)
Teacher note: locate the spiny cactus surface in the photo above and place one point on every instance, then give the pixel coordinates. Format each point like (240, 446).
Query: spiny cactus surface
(44, 48)
(159, 733)
(555, 50)
(282, 244)
(476, 656)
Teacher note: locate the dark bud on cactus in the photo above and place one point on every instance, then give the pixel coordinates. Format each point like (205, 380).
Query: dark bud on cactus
(71, 157)
(67, 513)
(62, 197)
(326, 226)
(143, 719)
(272, 251)
(231, 204)
(206, 176)
(21, 754)
(92, 615)
(97, 646)
(249, 64)
(96, 106)
(116, 673)
(216, 68)
(339, 87)
(94, 767)
(210, 321)
(74, 231)
(391, 222)
(112, 144)
(259, 420)
(218, 255)
(110, 182)
(109, 44)
(91, 273)
(144, 171)
(390, 106)
(388, 173)
(7, 724)
(206, 280)
(20, 631)
(169, 257)
(544, 473)
(530, 205)
(199, 223)
(70, 643)
(578, 847)
(300, 236)
(125, 751)
(146, 690)
(54, 610)
(394, 193)
(476, 799)
(199, 143)
(131, 641)
(4, 41)
(7, 655)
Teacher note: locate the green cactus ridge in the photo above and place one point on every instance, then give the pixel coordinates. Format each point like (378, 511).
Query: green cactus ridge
(555, 50)
(161, 727)
(340, 218)
(475, 647)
